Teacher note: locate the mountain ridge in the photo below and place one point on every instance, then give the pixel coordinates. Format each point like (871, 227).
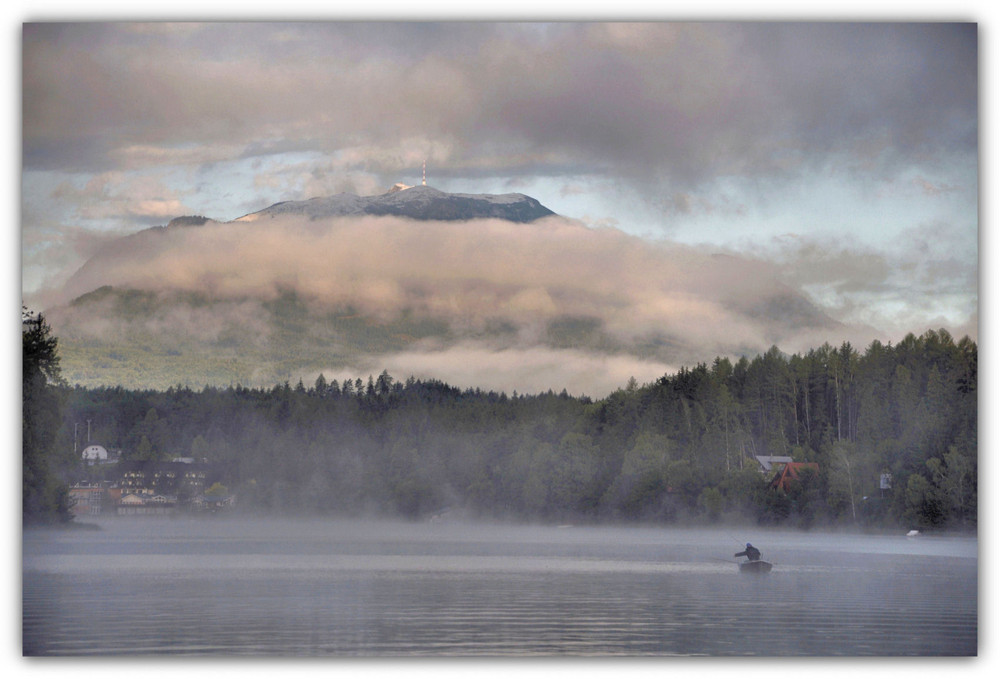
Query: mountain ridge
(418, 203)
(414, 202)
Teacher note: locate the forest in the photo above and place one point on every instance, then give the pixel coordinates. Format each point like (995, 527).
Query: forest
(892, 430)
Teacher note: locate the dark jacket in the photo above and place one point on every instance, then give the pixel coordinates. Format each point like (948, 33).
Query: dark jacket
(750, 552)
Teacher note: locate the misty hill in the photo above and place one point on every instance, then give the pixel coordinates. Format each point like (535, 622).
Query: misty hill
(413, 202)
(490, 290)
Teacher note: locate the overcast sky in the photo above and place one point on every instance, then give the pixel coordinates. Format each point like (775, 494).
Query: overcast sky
(843, 156)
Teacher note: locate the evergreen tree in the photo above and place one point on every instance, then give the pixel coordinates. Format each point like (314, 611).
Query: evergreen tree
(45, 497)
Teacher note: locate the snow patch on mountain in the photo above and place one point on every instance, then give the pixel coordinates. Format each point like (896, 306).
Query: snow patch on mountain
(414, 202)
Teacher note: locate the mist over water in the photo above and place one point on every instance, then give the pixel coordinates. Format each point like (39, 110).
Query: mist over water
(348, 588)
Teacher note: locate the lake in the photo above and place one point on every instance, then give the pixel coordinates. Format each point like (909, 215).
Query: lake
(286, 587)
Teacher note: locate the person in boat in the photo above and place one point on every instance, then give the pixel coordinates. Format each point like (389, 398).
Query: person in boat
(751, 553)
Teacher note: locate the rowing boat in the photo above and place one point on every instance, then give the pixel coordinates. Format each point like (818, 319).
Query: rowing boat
(755, 567)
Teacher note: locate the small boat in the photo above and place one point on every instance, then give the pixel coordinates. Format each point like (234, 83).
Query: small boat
(755, 567)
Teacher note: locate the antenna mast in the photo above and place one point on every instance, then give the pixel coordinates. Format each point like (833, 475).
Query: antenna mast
(424, 183)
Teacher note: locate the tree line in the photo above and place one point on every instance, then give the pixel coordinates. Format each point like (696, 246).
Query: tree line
(680, 449)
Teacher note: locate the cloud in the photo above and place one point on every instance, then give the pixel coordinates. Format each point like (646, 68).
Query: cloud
(925, 282)
(683, 102)
(527, 370)
(550, 304)
(121, 196)
(933, 189)
(554, 283)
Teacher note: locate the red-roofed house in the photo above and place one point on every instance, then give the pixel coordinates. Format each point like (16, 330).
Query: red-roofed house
(791, 472)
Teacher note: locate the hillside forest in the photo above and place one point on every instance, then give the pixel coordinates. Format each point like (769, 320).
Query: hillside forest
(892, 430)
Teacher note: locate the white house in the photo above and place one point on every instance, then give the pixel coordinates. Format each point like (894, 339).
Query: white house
(95, 453)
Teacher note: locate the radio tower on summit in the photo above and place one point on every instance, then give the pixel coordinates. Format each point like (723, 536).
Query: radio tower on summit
(424, 182)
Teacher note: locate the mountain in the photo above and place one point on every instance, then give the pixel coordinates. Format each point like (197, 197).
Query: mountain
(125, 323)
(476, 289)
(413, 202)
(421, 203)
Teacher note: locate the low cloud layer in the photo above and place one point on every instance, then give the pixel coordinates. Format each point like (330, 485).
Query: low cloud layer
(526, 370)
(548, 303)
(469, 274)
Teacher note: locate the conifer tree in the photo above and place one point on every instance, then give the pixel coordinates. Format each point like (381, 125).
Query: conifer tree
(45, 498)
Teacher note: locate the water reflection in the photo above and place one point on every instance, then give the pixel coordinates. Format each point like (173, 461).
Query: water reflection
(337, 588)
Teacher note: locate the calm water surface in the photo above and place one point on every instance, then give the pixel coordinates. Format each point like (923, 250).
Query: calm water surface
(335, 588)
